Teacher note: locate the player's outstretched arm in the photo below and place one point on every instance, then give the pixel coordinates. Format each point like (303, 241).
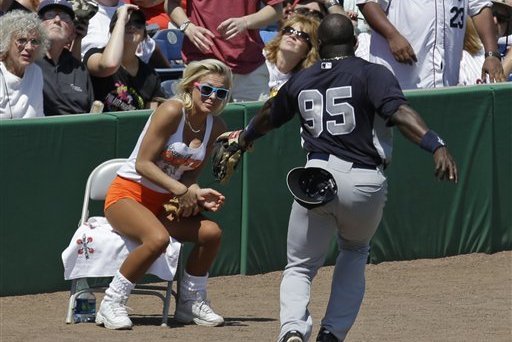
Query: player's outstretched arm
(230, 146)
(412, 126)
(259, 125)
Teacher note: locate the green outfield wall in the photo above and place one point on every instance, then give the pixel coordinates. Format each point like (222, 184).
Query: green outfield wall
(45, 162)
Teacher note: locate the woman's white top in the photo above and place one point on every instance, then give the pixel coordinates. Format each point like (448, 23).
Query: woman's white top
(21, 97)
(175, 158)
(276, 78)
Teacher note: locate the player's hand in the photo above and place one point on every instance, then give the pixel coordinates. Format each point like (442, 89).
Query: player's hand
(201, 37)
(493, 68)
(210, 199)
(232, 27)
(402, 50)
(445, 165)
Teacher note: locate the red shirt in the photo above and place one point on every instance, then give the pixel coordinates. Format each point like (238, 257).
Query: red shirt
(243, 54)
(154, 15)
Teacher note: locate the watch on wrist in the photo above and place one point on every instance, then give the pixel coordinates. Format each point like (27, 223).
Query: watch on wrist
(496, 54)
(184, 26)
(330, 3)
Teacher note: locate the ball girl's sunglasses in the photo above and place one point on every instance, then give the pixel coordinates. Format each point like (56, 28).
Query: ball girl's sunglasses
(207, 90)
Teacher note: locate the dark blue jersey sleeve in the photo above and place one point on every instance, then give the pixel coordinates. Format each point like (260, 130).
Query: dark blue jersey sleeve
(283, 107)
(384, 91)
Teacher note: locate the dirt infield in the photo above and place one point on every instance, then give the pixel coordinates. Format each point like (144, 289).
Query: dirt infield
(462, 298)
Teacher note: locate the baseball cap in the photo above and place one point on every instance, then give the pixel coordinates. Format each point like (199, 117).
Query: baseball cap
(505, 4)
(135, 15)
(312, 186)
(62, 4)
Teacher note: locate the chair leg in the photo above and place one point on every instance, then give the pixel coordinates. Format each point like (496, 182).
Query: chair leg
(71, 304)
(167, 302)
(179, 273)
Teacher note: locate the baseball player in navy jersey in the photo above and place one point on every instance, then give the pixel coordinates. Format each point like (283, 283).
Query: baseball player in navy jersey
(421, 41)
(337, 99)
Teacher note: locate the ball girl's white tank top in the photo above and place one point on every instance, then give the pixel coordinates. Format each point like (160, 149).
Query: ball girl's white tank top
(175, 158)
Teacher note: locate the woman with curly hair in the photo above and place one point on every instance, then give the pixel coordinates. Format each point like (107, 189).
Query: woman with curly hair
(22, 40)
(294, 48)
(165, 164)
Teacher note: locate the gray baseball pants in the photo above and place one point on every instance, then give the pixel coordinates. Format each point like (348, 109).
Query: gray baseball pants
(354, 216)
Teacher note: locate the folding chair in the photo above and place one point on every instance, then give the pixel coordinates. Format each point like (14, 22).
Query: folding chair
(96, 188)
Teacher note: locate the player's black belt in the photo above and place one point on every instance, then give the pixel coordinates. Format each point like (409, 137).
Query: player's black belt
(325, 156)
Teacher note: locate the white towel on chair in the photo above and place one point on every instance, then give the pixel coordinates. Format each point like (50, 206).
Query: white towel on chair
(97, 250)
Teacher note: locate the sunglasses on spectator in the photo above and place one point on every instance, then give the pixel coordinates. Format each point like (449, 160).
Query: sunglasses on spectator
(207, 91)
(309, 12)
(52, 14)
(22, 42)
(288, 31)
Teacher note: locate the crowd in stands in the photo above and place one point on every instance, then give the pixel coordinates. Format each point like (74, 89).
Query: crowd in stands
(66, 55)
(60, 57)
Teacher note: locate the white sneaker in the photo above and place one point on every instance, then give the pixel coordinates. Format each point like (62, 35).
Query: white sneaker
(113, 315)
(197, 311)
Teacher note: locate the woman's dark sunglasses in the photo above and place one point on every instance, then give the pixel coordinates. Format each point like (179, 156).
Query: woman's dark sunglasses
(287, 30)
(309, 12)
(207, 90)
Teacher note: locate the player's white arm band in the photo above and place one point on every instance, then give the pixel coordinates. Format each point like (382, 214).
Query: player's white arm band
(431, 141)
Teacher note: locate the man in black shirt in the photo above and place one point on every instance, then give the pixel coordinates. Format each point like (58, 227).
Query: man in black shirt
(337, 99)
(67, 85)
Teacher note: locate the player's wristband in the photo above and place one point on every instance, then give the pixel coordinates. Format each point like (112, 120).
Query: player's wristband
(250, 134)
(431, 141)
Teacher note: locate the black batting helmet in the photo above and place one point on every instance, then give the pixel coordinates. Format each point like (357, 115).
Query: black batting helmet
(311, 187)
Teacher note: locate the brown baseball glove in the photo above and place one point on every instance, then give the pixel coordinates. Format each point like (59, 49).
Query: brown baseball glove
(226, 154)
(172, 209)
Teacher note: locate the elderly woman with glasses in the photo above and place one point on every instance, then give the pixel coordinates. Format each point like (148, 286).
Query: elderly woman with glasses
(294, 48)
(120, 79)
(22, 41)
(163, 166)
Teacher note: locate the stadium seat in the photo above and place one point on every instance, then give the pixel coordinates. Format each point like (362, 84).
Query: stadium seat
(74, 258)
(170, 42)
(267, 36)
(169, 87)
